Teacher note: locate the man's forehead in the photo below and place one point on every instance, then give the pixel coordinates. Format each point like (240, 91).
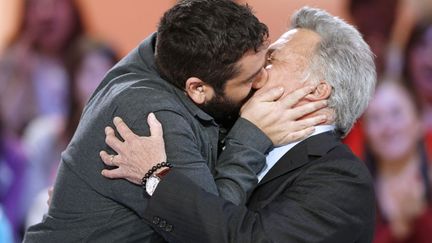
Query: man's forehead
(299, 40)
(283, 39)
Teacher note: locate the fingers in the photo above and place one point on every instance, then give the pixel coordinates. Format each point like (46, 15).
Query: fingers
(300, 129)
(313, 121)
(109, 131)
(155, 126)
(111, 140)
(293, 98)
(270, 95)
(108, 159)
(296, 136)
(122, 128)
(305, 109)
(113, 174)
(50, 195)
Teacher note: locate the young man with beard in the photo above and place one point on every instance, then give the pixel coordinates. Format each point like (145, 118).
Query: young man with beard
(205, 60)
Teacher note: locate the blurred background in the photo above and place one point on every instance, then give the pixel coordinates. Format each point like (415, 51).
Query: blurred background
(53, 53)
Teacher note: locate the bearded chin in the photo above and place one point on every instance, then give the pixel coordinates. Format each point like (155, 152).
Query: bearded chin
(224, 110)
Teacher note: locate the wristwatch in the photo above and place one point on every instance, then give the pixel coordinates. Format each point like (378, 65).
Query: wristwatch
(154, 180)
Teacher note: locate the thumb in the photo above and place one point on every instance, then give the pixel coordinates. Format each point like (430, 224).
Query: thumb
(154, 125)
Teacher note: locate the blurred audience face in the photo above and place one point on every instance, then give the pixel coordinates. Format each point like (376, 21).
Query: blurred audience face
(392, 123)
(420, 64)
(50, 22)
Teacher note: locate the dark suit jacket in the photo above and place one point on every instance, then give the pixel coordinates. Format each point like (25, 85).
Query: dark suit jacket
(317, 192)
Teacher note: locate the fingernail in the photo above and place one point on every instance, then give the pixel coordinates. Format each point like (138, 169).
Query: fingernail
(151, 116)
(117, 120)
(106, 130)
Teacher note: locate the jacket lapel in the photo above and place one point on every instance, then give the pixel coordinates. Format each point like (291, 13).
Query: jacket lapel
(308, 150)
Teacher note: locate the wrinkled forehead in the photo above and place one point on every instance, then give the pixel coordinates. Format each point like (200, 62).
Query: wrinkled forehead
(283, 39)
(299, 41)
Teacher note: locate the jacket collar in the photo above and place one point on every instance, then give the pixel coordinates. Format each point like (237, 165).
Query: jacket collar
(306, 151)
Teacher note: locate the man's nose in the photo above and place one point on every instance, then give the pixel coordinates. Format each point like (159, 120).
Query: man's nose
(261, 81)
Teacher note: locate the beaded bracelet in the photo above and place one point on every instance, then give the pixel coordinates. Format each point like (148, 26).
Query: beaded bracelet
(153, 169)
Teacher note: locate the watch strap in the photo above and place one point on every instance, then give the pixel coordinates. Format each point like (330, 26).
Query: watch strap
(163, 172)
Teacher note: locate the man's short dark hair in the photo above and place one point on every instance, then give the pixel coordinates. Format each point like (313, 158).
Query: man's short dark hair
(205, 39)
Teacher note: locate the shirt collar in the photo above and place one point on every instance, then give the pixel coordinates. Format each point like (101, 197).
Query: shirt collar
(278, 152)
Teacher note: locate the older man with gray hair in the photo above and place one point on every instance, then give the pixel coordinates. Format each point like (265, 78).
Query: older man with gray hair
(314, 190)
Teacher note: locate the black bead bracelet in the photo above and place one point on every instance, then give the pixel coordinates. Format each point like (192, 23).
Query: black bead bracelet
(153, 169)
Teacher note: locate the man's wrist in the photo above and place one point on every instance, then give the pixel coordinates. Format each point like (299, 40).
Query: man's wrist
(152, 178)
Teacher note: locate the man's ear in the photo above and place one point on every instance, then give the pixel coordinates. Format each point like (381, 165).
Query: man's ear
(321, 92)
(198, 90)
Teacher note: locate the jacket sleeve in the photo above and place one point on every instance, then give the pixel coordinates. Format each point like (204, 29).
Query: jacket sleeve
(241, 159)
(324, 209)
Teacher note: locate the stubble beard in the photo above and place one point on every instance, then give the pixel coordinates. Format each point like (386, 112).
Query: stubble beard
(224, 110)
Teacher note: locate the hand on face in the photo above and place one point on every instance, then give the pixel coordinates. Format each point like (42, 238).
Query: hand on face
(136, 155)
(278, 118)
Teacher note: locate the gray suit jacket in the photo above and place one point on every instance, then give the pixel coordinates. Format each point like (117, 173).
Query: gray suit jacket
(86, 207)
(317, 192)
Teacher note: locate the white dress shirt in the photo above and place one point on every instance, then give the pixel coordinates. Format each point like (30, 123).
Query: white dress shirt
(278, 152)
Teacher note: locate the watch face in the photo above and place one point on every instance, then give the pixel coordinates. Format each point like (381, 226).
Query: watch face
(151, 184)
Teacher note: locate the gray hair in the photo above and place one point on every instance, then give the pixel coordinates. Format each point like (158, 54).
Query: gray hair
(344, 60)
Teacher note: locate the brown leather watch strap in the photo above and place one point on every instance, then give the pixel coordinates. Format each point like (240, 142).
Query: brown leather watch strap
(163, 172)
